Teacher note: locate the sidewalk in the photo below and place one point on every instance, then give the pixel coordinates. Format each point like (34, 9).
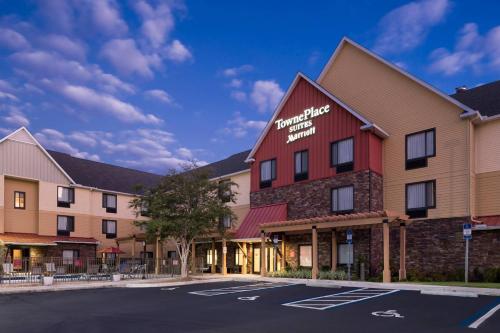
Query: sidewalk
(212, 278)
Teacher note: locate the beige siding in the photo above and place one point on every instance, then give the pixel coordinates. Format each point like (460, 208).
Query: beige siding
(241, 212)
(29, 161)
(21, 220)
(242, 190)
(401, 106)
(487, 145)
(22, 136)
(488, 193)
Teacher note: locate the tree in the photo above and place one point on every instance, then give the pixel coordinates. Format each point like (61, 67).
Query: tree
(185, 205)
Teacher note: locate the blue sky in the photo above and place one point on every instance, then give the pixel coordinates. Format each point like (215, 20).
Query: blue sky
(149, 84)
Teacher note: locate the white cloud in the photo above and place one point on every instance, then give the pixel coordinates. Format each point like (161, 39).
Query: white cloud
(176, 51)
(106, 18)
(157, 22)
(126, 57)
(83, 138)
(239, 126)
(53, 139)
(406, 27)
(266, 95)
(235, 83)
(17, 118)
(92, 99)
(235, 71)
(471, 51)
(185, 153)
(13, 39)
(69, 47)
(6, 95)
(240, 96)
(160, 95)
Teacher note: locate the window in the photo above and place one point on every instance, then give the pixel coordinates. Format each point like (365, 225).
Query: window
(267, 173)
(420, 146)
(346, 254)
(301, 165)
(65, 225)
(305, 255)
(109, 202)
(19, 200)
(419, 198)
(172, 254)
(225, 190)
(144, 209)
(343, 155)
(209, 256)
(226, 221)
(238, 257)
(65, 196)
(109, 228)
(343, 199)
(69, 256)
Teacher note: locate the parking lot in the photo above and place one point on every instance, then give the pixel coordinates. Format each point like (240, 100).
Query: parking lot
(244, 306)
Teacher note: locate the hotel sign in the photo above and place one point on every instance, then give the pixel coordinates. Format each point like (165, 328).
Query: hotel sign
(301, 126)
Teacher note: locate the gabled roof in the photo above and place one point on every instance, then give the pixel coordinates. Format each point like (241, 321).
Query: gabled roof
(367, 125)
(23, 130)
(104, 176)
(228, 166)
(345, 40)
(485, 98)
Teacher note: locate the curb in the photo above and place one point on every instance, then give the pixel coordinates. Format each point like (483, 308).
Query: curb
(449, 293)
(171, 284)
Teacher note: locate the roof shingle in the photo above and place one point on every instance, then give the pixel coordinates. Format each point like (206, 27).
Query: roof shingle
(485, 98)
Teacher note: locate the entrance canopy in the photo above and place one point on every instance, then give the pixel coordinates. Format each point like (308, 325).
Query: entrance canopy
(250, 230)
(14, 238)
(334, 221)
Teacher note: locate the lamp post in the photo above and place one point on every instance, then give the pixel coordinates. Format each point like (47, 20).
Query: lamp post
(144, 258)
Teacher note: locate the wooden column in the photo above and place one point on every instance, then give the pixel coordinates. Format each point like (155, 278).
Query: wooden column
(193, 257)
(133, 247)
(387, 269)
(314, 253)
(334, 250)
(283, 253)
(212, 269)
(402, 251)
(244, 264)
(158, 254)
(224, 253)
(263, 266)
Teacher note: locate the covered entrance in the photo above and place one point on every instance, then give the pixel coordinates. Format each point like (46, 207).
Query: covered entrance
(331, 227)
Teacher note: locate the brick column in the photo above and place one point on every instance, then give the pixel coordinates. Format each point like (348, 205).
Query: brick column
(402, 251)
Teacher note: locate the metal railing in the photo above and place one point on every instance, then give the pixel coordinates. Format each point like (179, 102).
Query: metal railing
(32, 270)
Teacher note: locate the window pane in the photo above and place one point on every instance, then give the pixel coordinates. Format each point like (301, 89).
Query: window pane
(111, 201)
(345, 151)
(298, 162)
(430, 143)
(305, 157)
(305, 253)
(416, 196)
(111, 227)
(335, 154)
(430, 194)
(63, 194)
(346, 198)
(62, 223)
(265, 171)
(415, 146)
(346, 254)
(335, 200)
(273, 169)
(227, 221)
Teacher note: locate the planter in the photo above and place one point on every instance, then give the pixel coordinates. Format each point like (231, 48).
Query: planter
(116, 277)
(48, 280)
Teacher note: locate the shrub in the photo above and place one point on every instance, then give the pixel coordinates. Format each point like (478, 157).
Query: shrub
(301, 273)
(329, 275)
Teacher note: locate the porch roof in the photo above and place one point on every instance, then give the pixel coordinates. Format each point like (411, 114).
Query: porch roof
(334, 221)
(14, 238)
(249, 229)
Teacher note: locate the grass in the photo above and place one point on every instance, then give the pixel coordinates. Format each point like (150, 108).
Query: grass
(461, 284)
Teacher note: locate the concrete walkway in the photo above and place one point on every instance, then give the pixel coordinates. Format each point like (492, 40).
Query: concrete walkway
(211, 278)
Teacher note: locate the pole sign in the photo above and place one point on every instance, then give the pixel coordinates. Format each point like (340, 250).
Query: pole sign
(349, 236)
(467, 231)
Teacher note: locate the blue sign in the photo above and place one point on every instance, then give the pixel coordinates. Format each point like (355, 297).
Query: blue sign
(349, 236)
(467, 231)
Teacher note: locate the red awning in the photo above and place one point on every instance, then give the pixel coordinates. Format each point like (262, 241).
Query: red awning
(259, 215)
(115, 250)
(14, 238)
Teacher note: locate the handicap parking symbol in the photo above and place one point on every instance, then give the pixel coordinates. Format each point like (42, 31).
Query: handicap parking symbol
(387, 314)
(249, 298)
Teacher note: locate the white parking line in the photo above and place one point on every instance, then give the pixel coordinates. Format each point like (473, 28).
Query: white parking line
(484, 317)
(344, 298)
(240, 289)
